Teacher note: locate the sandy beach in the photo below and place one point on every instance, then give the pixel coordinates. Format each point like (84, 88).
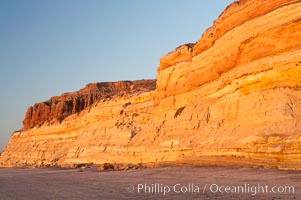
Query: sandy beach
(183, 182)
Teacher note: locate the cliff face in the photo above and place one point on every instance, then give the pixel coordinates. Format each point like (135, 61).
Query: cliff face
(231, 98)
(246, 31)
(118, 112)
(59, 107)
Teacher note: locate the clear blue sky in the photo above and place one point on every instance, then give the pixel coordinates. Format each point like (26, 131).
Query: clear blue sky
(56, 46)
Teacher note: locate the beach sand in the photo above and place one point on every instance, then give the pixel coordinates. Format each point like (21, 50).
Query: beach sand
(184, 182)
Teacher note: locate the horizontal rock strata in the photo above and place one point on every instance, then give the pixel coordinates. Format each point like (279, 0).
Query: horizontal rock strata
(233, 97)
(59, 107)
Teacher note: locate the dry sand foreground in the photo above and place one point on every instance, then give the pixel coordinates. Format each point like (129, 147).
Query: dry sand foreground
(71, 184)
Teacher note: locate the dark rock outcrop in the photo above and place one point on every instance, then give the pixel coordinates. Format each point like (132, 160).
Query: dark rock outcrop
(59, 107)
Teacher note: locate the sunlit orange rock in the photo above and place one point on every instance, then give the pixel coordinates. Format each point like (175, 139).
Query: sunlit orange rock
(180, 54)
(59, 107)
(232, 98)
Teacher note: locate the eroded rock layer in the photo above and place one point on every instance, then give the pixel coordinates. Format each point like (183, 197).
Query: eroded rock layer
(234, 97)
(59, 107)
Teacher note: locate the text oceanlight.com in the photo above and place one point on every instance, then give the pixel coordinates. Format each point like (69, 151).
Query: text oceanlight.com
(252, 189)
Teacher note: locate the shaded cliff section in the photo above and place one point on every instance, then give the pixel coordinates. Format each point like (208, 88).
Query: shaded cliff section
(57, 108)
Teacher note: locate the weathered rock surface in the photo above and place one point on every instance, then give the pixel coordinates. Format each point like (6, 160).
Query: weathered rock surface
(59, 107)
(234, 97)
(105, 125)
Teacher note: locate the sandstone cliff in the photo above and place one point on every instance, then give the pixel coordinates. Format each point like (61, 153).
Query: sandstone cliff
(59, 107)
(233, 97)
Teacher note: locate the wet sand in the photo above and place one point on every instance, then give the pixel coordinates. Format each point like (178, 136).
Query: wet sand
(183, 182)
